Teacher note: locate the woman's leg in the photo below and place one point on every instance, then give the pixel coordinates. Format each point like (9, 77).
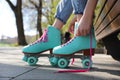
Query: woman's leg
(63, 12)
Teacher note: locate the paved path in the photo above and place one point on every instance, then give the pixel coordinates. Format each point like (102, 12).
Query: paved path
(13, 68)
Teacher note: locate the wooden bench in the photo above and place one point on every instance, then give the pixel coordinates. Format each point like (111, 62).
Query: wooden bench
(107, 25)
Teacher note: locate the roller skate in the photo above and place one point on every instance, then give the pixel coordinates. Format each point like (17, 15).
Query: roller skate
(63, 53)
(49, 39)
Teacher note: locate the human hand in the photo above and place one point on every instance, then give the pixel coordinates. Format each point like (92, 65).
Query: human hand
(85, 22)
(71, 25)
(84, 26)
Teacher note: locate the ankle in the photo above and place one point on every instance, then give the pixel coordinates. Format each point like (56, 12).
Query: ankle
(58, 24)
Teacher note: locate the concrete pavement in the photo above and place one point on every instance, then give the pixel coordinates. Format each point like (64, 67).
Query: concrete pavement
(13, 68)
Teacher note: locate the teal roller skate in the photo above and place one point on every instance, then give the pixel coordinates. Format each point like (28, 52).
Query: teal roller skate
(49, 39)
(65, 52)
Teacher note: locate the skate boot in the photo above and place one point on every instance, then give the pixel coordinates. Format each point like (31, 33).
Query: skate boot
(63, 53)
(49, 39)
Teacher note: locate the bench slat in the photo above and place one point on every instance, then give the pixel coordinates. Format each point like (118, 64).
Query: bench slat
(114, 26)
(105, 11)
(114, 12)
(100, 6)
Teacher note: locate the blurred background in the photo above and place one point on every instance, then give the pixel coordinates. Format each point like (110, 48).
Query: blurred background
(23, 21)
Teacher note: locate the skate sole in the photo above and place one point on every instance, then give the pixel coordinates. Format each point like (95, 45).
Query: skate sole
(85, 52)
(39, 54)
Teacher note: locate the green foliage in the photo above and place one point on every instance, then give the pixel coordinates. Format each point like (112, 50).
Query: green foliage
(8, 45)
(97, 10)
(49, 9)
(100, 44)
(118, 36)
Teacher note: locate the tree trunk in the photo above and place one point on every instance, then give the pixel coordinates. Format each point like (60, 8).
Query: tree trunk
(39, 10)
(19, 21)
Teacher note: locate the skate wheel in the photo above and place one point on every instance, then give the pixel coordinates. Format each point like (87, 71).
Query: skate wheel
(32, 61)
(25, 58)
(87, 63)
(63, 63)
(53, 61)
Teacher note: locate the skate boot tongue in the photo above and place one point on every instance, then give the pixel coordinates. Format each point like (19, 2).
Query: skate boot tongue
(43, 38)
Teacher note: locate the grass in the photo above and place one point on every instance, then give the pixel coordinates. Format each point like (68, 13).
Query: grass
(8, 45)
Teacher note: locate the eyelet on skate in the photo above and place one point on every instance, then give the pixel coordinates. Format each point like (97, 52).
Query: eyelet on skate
(43, 38)
(69, 42)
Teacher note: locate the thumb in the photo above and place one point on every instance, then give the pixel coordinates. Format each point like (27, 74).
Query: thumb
(77, 33)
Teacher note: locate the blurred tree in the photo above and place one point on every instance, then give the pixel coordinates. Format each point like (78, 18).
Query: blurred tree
(19, 20)
(49, 8)
(38, 6)
(45, 10)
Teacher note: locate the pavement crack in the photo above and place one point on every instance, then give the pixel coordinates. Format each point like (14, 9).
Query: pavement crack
(22, 73)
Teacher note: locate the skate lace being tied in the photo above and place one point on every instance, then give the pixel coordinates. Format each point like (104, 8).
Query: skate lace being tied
(68, 42)
(43, 38)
